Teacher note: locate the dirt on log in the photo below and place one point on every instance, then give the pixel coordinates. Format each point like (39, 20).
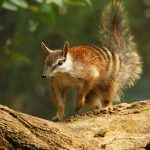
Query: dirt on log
(125, 127)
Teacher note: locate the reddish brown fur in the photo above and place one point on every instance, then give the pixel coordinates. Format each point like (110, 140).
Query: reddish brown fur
(98, 73)
(90, 55)
(89, 85)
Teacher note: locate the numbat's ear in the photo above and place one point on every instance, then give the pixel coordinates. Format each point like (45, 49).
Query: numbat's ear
(46, 49)
(65, 49)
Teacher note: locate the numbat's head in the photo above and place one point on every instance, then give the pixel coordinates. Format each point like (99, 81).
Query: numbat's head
(55, 61)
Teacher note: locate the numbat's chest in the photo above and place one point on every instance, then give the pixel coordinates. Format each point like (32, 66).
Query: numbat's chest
(67, 81)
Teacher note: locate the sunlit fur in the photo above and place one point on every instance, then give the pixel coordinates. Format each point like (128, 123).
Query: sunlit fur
(98, 73)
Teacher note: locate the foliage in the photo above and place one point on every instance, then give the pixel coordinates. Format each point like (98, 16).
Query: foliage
(24, 24)
(40, 10)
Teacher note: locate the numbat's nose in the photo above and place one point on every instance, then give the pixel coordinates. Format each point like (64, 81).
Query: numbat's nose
(43, 76)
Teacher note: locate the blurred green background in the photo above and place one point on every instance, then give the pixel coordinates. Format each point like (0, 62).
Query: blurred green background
(25, 23)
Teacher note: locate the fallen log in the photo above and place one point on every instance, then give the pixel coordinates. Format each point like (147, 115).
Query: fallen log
(126, 126)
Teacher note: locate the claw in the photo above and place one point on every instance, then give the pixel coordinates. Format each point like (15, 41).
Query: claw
(78, 107)
(56, 119)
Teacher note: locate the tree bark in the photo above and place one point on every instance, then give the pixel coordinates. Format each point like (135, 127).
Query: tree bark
(125, 127)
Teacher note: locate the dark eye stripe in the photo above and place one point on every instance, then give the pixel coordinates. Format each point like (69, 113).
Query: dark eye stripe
(60, 62)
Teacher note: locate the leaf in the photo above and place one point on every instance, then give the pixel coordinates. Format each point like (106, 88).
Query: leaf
(20, 58)
(46, 8)
(10, 6)
(17, 38)
(59, 3)
(33, 25)
(34, 8)
(20, 3)
(75, 3)
(39, 1)
(88, 2)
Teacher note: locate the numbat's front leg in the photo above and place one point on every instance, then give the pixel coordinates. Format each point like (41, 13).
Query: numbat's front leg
(58, 96)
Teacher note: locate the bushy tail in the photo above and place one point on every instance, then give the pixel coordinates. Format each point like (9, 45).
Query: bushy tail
(116, 36)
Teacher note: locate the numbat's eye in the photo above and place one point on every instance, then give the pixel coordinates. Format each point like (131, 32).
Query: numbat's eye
(60, 62)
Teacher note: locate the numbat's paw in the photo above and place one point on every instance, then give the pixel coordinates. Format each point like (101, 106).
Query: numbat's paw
(56, 118)
(79, 106)
(108, 108)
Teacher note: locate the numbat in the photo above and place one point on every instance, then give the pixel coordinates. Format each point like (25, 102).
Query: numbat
(98, 73)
